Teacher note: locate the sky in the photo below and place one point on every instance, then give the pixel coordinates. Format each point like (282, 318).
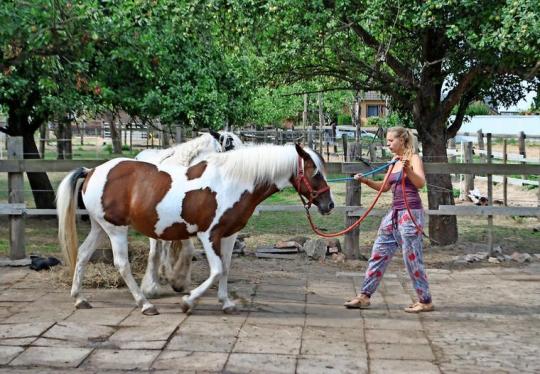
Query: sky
(524, 104)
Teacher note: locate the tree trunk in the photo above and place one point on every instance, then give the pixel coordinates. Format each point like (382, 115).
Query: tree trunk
(60, 143)
(116, 136)
(68, 144)
(442, 229)
(42, 189)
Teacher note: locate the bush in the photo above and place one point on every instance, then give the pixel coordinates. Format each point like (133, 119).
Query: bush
(344, 119)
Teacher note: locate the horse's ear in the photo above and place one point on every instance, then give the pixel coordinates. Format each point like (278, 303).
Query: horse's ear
(301, 151)
(215, 134)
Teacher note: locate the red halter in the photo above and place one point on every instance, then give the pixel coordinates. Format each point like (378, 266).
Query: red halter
(301, 178)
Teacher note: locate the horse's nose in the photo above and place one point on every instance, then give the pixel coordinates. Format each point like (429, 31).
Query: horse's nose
(331, 205)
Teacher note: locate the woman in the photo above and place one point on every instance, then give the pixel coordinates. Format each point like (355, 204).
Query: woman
(397, 229)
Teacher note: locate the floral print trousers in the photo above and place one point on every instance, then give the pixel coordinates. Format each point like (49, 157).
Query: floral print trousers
(397, 229)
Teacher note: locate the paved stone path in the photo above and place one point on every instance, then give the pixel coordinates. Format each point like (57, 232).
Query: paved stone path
(487, 320)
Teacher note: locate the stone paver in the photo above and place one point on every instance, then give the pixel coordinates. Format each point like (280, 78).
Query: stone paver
(486, 320)
(260, 363)
(125, 359)
(7, 353)
(51, 356)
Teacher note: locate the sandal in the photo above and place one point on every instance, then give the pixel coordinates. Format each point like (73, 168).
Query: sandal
(419, 307)
(358, 302)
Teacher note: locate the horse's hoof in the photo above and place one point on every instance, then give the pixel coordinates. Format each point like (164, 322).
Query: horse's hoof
(186, 308)
(83, 304)
(231, 310)
(151, 311)
(178, 289)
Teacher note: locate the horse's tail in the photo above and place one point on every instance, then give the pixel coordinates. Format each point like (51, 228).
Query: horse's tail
(66, 203)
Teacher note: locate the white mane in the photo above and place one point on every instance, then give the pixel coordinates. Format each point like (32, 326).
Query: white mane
(185, 153)
(262, 163)
(181, 154)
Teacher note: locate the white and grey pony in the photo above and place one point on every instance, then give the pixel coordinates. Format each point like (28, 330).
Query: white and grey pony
(172, 260)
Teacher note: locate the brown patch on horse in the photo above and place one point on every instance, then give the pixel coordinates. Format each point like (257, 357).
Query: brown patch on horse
(195, 171)
(198, 208)
(86, 179)
(131, 193)
(235, 218)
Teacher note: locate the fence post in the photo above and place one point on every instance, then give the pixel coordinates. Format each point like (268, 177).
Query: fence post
(505, 178)
(351, 245)
(452, 146)
(522, 149)
(372, 153)
(179, 135)
(490, 198)
(16, 195)
(481, 144)
(469, 178)
(345, 150)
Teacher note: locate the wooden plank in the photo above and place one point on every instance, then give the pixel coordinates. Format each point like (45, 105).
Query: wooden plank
(277, 250)
(20, 209)
(16, 196)
(500, 136)
(12, 209)
(276, 256)
(490, 198)
(14, 166)
(346, 168)
(444, 168)
(352, 211)
(474, 210)
(465, 210)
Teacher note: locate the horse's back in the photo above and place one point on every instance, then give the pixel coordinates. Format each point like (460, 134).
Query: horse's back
(124, 192)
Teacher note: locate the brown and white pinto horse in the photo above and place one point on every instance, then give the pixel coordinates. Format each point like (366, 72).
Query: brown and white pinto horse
(174, 262)
(212, 199)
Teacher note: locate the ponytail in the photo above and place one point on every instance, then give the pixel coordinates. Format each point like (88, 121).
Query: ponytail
(408, 140)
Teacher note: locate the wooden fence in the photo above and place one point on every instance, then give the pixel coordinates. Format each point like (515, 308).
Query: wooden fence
(16, 209)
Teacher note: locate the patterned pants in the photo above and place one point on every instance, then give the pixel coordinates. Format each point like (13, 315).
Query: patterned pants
(398, 230)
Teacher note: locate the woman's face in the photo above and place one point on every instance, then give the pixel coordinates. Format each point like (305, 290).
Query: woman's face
(394, 143)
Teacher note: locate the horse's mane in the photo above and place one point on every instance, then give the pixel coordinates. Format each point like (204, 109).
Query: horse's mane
(262, 163)
(183, 153)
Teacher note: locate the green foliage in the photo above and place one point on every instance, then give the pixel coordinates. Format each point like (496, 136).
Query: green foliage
(344, 119)
(392, 120)
(427, 56)
(477, 108)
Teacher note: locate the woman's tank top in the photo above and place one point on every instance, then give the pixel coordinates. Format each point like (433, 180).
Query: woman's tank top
(413, 197)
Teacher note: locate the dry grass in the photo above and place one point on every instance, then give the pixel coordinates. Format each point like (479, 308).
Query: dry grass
(104, 275)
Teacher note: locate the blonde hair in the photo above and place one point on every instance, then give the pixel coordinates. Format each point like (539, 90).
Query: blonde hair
(408, 140)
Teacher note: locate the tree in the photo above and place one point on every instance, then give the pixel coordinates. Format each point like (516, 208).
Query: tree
(44, 46)
(427, 56)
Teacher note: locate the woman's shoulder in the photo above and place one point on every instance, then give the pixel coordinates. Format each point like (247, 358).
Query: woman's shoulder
(416, 157)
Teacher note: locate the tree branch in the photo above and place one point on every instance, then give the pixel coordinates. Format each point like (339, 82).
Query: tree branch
(457, 92)
(398, 68)
(462, 109)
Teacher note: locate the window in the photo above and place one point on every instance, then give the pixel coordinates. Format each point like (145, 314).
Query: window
(373, 111)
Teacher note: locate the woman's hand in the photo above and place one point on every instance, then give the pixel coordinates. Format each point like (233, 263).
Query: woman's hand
(360, 178)
(406, 164)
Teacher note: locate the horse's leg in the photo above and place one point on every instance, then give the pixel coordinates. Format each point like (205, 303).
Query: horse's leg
(216, 270)
(167, 260)
(180, 276)
(119, 243)
(150, 284)
(85, 251)
(227, 245)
